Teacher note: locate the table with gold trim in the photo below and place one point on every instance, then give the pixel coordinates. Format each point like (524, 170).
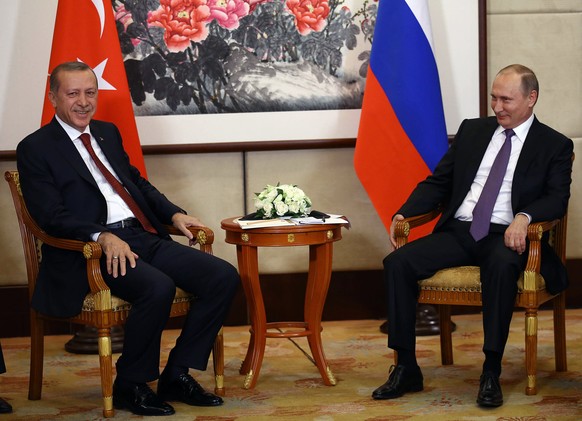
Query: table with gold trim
(320, 239)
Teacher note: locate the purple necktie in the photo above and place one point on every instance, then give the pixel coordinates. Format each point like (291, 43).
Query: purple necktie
(484, 206)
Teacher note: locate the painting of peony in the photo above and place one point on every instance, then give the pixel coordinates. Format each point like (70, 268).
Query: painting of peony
(242, 56)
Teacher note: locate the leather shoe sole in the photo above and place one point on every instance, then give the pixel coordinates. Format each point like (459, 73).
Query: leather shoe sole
(187, 390)
(140, 400)
(401, 380)
(490, 394)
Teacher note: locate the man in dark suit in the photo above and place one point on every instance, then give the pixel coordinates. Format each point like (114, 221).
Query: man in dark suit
(69, 194)
(534, 185)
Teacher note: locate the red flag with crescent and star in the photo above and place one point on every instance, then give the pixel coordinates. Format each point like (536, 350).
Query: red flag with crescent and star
(85, 31)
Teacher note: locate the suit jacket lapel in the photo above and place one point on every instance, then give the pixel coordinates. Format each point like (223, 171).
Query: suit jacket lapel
(526, 157)
(478, 148)
(68, 150)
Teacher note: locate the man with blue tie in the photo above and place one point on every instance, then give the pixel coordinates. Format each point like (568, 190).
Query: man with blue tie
(78, 183)
(500, 174)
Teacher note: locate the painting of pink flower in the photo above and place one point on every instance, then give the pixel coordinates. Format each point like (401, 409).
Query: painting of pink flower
(228, 12)
(255, 3)
(123, 16)
(310, 15)
(183, 20)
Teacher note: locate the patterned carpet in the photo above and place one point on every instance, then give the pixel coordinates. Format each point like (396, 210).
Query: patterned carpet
(289, 387)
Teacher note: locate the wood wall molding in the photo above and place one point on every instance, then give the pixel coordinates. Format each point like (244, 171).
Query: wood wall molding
(346, 300)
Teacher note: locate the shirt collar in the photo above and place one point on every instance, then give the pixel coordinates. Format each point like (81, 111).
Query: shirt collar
(70, 130)
(521, 131)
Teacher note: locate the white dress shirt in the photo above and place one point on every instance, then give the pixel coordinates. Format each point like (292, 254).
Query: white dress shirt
(117, 209)
(502, 211)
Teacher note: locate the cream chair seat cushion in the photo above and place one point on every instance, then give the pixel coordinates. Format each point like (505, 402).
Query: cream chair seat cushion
(117, 304)
(465, 279)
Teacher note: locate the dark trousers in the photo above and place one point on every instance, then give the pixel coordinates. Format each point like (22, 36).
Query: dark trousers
(453, 246)
(150, 288)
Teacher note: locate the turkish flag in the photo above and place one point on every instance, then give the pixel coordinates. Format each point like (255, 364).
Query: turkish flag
(85, 31)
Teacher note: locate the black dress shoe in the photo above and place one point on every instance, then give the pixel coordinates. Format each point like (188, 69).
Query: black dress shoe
(186, 389)
(5, 407)
(489, 390)
(140, 399)
(400, 381)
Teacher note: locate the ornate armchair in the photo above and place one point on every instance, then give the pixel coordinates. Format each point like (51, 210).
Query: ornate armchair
(462, 286)
(101, 309)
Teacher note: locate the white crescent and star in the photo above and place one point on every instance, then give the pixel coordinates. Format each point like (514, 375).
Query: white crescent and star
(102, 84)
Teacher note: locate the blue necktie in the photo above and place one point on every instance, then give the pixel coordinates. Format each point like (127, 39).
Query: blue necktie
(484, 206)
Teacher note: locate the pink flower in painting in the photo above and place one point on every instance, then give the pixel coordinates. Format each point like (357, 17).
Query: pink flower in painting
(228, 12)
(255, 3)
(183, 20)
(309, 15)
(125, 18)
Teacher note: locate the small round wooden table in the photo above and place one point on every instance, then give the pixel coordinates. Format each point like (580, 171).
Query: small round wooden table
(320, 239)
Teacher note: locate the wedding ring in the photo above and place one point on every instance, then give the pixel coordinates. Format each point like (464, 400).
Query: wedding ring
(115, 257)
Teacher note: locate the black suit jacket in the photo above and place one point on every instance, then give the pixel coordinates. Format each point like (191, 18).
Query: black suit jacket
(540, 188)
(63, 197)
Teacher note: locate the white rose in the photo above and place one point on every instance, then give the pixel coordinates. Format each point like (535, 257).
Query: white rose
(268, 208)
(281, 208)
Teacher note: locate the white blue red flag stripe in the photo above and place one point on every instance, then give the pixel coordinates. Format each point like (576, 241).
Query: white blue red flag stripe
(402, 133)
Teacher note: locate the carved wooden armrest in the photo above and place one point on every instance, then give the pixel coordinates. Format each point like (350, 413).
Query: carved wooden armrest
(535, 232)
(91, 251)
(204, 236)
(402, 228)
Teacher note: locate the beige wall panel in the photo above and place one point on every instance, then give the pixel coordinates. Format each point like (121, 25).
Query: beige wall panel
(328, 178)
(551, 44)
(533, 6)
(208, 186)
(574, 243)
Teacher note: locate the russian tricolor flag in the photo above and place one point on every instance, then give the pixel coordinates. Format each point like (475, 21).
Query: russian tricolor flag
(402, 133)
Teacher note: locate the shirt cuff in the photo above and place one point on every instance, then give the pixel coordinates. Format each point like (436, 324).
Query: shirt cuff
(526, 214)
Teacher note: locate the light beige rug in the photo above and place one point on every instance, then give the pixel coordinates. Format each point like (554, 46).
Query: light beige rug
(289, 386)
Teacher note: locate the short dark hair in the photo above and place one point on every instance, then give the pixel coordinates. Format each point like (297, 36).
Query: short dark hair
(69, 66)
(529, 80)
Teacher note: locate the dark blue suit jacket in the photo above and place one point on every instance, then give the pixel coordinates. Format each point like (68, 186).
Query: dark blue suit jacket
(63, 197)
(540, 188)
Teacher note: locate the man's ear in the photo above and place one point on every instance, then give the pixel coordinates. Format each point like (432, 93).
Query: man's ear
(52, 99)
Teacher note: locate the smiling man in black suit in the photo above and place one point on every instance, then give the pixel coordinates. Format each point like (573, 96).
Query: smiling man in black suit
(78, 183)
(500, 174)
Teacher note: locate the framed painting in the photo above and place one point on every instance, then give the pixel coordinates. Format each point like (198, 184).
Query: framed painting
(273, 70)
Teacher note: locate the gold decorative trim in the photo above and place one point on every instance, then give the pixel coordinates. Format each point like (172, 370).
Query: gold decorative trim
(248, 379)
(329, 234)
(16, 177)
(529, 280)
(219, 381)
(108, 403)
(104, 346)
(290, 238)
(330, 376)
(531, 381)
(87, 251)
(531, 326)
(245, 237)
(201, 237)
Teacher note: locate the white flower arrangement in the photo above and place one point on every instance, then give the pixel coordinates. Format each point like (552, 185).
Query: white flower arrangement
(282, 200)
